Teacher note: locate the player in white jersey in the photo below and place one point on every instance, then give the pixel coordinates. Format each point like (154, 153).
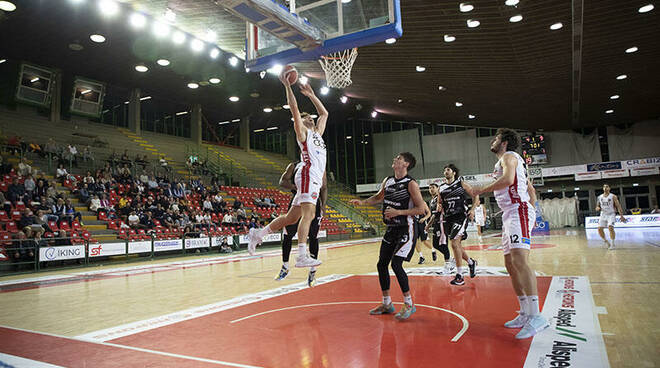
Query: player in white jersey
(309, 176)
(607, 202)
(480, 218)
(516, 196)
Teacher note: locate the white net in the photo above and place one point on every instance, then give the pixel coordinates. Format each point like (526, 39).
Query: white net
(337, 67)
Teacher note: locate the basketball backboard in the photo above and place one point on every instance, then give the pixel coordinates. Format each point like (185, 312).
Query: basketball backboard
(305, 30)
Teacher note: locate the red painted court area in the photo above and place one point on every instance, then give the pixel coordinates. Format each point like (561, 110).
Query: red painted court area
(326, 326)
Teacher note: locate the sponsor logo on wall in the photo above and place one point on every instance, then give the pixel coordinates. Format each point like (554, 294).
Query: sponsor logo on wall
(61, 253)
(631, 221)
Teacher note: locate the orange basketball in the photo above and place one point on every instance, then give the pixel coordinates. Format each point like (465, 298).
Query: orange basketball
(291, 74)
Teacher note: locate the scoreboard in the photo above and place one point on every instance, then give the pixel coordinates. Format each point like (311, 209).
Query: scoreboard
(533, 149)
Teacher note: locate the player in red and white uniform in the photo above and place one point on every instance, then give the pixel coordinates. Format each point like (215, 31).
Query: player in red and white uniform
(607, 203)
(516, 196)
(309, 176)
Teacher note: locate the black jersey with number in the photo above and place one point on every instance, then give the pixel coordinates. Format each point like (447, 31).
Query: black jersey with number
(398, 197)
(433, 206)
(453, 198)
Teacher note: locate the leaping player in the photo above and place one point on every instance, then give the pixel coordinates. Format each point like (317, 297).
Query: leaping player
(606, 204)
(516, 196)
(308, 178)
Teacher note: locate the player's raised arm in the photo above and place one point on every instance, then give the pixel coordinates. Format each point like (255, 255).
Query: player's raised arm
(298, 126)
(374, 199)
(307, 90)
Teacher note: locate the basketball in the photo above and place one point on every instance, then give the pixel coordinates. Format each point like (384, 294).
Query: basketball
(291, 74)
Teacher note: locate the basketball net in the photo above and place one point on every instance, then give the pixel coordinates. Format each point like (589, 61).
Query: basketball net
(337, 67)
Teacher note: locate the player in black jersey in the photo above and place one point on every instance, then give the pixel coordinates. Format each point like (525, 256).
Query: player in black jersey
(401, 200)
(423, 235)
(452, 196)
(434, 226)
(286, 182)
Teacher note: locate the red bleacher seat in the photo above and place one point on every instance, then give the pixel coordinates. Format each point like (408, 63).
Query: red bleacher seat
(64, 225)
(122, 234)
(4, 217)
(4, 187)
(5, 238)
(76, 225)
(113, 224)
(102, 216)
(20, 206)
(12, 227)
(76, 239)
(16, 215)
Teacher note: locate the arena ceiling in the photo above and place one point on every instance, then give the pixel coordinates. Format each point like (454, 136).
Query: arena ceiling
(518, 74)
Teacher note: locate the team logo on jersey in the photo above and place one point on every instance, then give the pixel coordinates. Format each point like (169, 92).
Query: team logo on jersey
(315, 195)
(525, 240)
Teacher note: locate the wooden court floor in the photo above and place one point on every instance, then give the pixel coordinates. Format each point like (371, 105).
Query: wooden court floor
(625, 285)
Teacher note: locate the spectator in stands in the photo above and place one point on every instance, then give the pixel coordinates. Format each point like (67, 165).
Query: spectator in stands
(51, 192)
(147, 221)
(36, 148)
(207, 205)
(124, 158)
(241, 215)
(59, 209)
(87, 154)
(41, 188)
(274, 215)
(27, 219)
(254, 222)
(178, 191)
(152, 183)
(15, 145)
(22, 248)
(224, 246)
(133, 220)
(144, 178)
(71, 212)
(270, 202)
(183, 220)
(24, 169)
(16, 191)
(95, 203)
(227, 220)
(237, 204)
(71, 154)
(163, 164)
(50, 148)
(30, 186)
(655, 210)
(89, 178)
(61, 173)
(4, 168)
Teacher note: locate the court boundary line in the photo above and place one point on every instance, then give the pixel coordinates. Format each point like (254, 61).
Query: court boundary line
(466, 323)
(136, 327)
(143, 350)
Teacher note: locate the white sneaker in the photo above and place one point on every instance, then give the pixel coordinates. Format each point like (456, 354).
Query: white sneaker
(607, 244)
(517, 322)
(253, 240)
(610, 245)
(534, 325)
(307, 261)
(448, 269)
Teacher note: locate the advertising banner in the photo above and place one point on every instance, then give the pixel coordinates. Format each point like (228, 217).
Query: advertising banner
(107, 249)
(165, 245)
(192, 243)
(642, 171)
(274, 237)
(139, 247)
(61, 253)
(321, 234)
(217, 240)
(587, 176)
(614, 174)
(631, 221)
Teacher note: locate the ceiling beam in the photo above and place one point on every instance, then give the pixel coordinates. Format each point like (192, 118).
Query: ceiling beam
(577, 21)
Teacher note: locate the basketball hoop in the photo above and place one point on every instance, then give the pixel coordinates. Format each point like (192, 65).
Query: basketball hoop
(337, 67)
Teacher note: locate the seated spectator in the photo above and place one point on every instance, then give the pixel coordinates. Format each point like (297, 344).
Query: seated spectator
(61, 173)
(163, 164)
(237, 204)
(133, 220)
(146, 220)
(41, 190)
(224, 246)
(269, 202)
(254, 222)
(50, 148)
(71, 212)
(89, 178)
(27, 219)
(24, 169)
(124, 158)
(29, 185)
(4, 168)
(51, 192)
(227, 220)
(59, 209)
(207, 205)
(259, 202)
(16, 191)
(274, 215)
(22, 249)
(241, 214)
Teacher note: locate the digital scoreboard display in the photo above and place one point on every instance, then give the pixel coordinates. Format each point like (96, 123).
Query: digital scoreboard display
(533, 150)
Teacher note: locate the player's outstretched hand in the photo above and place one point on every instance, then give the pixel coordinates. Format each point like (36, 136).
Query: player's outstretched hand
(306, 89)
(356, 202)
(623, 219)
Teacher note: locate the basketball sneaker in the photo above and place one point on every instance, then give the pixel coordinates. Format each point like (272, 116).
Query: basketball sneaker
(307, 261)
(610, 245)
(448, 269)
(533, 325)
(254, 239)
(311, 278)
(473, 268)
(517, 322)
(383, 309)
(405, 312)
(607, 243)
(284, 272)
(458, 280)
(434, 255)
(421, 260)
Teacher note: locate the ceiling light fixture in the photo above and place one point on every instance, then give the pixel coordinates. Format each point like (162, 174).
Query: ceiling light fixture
(108, 7)
(258, 130)
(210, 36)
(2, 60)
(169, 15)
(621, 77)
(163, 62)
(442, 88)
(511, 2)
(34, 79)
(271, 128)
(7, 6)
(345, 1)
(181, 113)
(614, 97)
(161, 29)
(458, 104)
(471, 116)
(516, 18)
(145, 98)
(268, 109)
(223, 122)
(399, 100)
(138, 20)
(373, 114)
(609, 111)
(97, 38)
(325, 90)
(420, 68)
(233, 61)
(286, 107)
(214, 80)
(473, 23)
(197, 45)
(85, 91)
(179, 37)
(556, 26)
(275, 69)
(390, 41)
(631, 50)
(646, 8)
(234, 99)
(214, 53)
(193, 85)
(141, 68)
(449, 38)
(236, 120)
(343, 99)
(465, 7)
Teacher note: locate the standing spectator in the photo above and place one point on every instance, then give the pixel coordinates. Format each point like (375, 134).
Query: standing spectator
(71, 154)
(87, 154)
(163, 164)
(24, 169)
(240, 214)
(29, 185)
